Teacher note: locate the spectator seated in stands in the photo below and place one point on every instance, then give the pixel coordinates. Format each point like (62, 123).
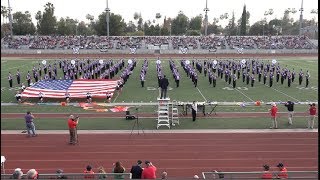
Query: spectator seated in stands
(266, 173)
(90, 173)
(149, 172)
(60, 174)
(102, 173)
(17, 174)
(32, 174)
(118, 168)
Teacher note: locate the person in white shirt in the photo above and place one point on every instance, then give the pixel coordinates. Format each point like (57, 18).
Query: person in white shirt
(194, 110)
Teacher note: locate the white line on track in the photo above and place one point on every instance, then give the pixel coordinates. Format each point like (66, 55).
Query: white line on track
(171, 131)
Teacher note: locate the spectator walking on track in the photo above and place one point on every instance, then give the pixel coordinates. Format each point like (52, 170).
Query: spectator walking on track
(72, 124)
(290, 107)
(31, 129)
(312, 115)
(273, 112)
(266, 173)
(136, 170)
(282, 174)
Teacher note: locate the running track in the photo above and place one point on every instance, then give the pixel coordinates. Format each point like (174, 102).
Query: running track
(180, 154)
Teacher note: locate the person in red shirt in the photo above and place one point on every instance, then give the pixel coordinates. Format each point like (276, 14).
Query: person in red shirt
(312, 115)
(149, 172)
(89, 171)
(72, 124)
(274, 111)
(266, 173)
(282, 174)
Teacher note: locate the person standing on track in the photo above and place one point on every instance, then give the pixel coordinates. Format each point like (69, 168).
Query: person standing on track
(290, 107)
(72, 124)
(312, 115)
(31, 129)
(273, 112)
(194, 110)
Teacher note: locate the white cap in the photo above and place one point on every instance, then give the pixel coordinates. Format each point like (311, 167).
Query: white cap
(196, 177)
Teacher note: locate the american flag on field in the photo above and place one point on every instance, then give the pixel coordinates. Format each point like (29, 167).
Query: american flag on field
(76, 88)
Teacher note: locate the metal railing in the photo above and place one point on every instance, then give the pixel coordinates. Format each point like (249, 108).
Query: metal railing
(258, 174)
(78, 176)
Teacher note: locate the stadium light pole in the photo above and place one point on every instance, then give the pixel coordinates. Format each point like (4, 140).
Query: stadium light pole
(206, 19)
(301, 18)
(10, 18)
(107, 18)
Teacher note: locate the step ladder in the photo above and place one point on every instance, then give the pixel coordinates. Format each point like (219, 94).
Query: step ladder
(163, 113)
(174, 114)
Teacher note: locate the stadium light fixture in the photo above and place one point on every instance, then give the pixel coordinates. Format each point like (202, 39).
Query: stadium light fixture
(107, 17)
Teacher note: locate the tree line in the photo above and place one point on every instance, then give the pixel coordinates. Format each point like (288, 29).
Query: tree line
(47, 24)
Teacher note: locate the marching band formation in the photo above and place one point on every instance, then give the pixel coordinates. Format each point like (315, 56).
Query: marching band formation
(228, 70)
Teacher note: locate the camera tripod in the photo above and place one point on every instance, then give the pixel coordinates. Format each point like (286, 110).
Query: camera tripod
(137, 123)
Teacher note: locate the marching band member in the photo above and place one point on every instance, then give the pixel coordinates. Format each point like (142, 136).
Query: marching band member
(89, 97)
(40, 97)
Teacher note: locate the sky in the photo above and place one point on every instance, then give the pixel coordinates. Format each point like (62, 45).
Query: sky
(78, 9)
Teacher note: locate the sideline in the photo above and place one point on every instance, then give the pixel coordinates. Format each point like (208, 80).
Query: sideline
(170, 131)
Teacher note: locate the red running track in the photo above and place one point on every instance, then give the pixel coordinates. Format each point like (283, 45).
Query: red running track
(181, 155)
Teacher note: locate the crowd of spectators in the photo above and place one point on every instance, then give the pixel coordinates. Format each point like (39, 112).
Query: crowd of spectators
(190, 42)
(140, 171)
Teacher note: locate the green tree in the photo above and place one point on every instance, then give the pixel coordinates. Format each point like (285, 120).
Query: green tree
(257, 28)
(83, 29)
(67, 26)
(180, 24)
(243, 26)
(195, 23)
(46, 21)
(231, 28)
(131, 27)
(117, 25)
(22, 23)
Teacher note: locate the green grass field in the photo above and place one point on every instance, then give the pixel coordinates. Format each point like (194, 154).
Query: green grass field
(133, 92)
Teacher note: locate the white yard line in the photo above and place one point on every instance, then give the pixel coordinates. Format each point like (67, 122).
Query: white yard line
(202, 95)
(282, 92)
(244, 95)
